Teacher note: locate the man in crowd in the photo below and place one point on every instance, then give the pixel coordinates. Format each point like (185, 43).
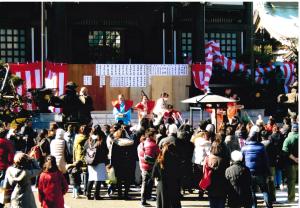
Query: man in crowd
(86, 106)
(256, 160)
(290, 148)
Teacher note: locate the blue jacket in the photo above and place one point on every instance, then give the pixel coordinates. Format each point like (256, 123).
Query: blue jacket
(256, 159)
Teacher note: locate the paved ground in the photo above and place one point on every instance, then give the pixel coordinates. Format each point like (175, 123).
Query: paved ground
(189, 201)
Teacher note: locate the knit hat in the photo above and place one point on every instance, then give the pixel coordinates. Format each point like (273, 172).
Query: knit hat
(210, 128)
(259, 121)
(295, 127)
(94, 137)
(59, 133)
(236, 156)
(172, 129)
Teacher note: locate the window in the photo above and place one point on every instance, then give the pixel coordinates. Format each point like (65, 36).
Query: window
(12, 45)
(186, 46)
(228, 42)
(104, 46)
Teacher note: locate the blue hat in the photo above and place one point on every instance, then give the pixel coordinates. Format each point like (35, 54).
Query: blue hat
(295, 127)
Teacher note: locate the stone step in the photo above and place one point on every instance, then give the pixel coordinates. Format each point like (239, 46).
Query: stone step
(106, 117)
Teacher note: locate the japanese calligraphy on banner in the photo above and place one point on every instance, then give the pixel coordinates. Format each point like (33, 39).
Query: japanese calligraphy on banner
(87, 80)
(137, 75)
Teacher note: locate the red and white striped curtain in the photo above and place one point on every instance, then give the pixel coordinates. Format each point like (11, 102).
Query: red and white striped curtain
(55, 77)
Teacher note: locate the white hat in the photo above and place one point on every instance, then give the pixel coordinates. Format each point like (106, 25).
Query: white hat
(254, 129)
(172, 129)
(59, 133)
(236, 156)
(210, 128)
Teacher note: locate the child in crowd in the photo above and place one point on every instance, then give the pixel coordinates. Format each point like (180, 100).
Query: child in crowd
(75, 171)
(52, 185)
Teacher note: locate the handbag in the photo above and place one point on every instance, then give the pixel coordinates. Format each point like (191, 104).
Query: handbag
(111, 176)
(206, 179)
(150, 160)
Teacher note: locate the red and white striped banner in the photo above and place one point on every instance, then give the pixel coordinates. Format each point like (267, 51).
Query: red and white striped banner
(56, 77)
(198, 71)
(213, 55)
(287, 69)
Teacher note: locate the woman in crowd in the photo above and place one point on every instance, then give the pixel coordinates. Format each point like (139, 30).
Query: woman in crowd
(218, 162)
(79, 152)
(147, 153)
(168, 175)
(96, 159)
(18, 178)
(52, 185)
(201, 150)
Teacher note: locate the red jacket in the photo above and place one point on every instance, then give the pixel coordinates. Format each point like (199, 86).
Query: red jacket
(150, 106)
(52, 187)
(128, 104)
(6, 153)
(149, 147)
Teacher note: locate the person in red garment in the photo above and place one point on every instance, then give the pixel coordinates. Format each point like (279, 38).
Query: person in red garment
(52, 185)
(122, 109)
(174, 114)
(145, 108)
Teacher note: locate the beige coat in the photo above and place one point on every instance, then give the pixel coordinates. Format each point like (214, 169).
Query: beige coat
(22, 195)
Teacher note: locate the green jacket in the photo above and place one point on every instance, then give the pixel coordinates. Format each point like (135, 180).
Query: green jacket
(290, 146)
(78, 148)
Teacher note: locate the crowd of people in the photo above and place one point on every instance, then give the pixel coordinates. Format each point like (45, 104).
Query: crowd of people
(163, 152)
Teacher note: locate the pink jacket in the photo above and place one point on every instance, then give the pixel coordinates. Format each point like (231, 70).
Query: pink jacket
(149, 147)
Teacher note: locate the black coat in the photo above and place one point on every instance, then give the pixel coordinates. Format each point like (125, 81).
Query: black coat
(84, 111)
(168, 187)
(239, 178)
(123, 161)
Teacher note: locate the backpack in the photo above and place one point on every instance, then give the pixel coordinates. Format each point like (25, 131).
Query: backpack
(36, 152)
(90, 155)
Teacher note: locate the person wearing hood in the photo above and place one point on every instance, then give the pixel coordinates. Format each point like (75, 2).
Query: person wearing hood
(239, 178)
(18, 177)
(58, 148)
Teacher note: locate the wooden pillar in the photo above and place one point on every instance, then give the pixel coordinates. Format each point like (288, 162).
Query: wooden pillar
(198, 33)
(249, 36)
